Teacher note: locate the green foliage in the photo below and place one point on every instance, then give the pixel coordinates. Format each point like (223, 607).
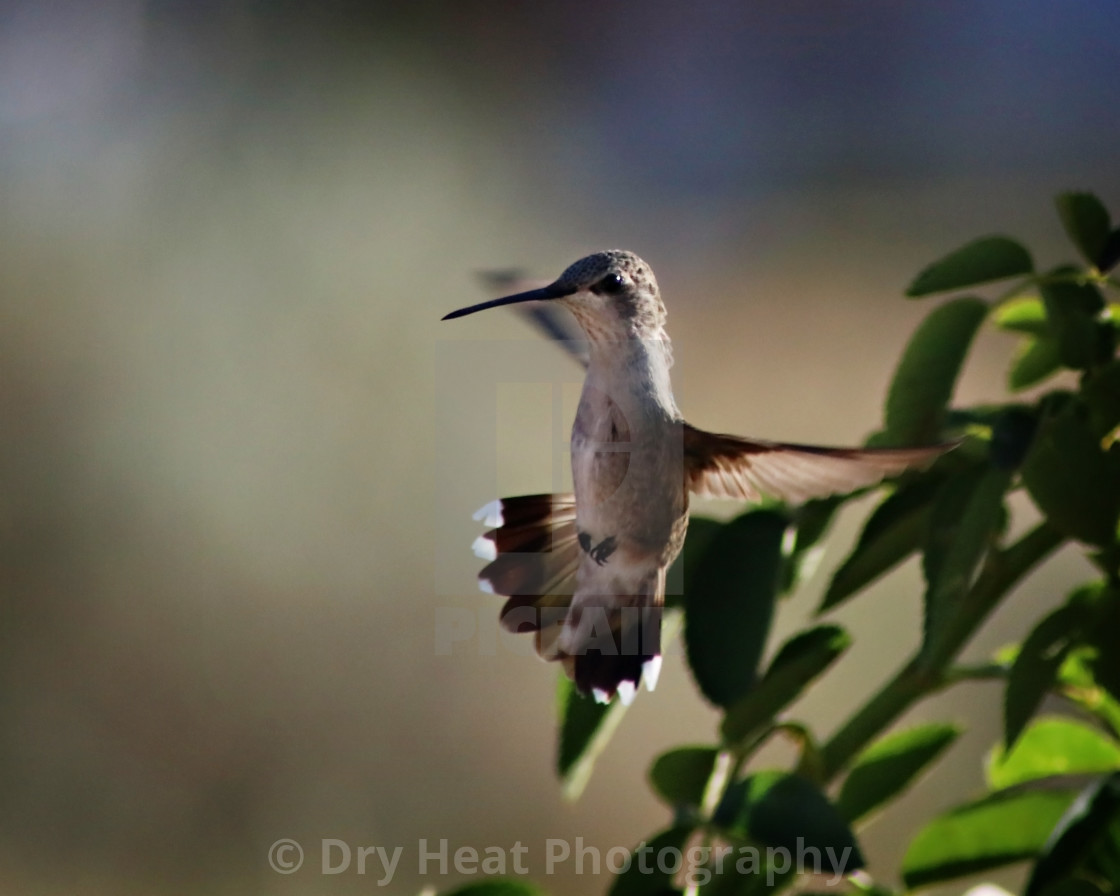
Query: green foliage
(886, 768)
(1052, 792)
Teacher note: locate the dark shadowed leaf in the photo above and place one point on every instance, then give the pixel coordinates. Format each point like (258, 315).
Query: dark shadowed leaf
(701, 531)
(966, 519)
(1072, 309)
(893, 532)
(1101, 393)
(1053, 746)
(886, 768)
(789, 812)
(812, 521)
(924, 379)
(1085, 843)
(679, 776)
(1086, 221)
(644, 876)
(801, 659)
(729, 603)
(1036, 667)
(995, 831)
(497, 887)
(981, 261)
(1071, 479)
(1034, 360)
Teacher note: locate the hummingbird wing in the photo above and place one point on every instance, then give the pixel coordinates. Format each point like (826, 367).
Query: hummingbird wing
(723, 466)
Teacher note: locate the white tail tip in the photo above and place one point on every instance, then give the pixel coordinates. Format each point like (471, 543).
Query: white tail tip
(491, 514)
(626, 691)
(601, 696)
(485, 587)
(484, 548)
(651, 671)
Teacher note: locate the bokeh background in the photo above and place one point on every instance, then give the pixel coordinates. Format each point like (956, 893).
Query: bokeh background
(233, 503)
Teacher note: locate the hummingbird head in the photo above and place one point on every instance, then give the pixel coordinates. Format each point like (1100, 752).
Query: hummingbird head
(612, 294)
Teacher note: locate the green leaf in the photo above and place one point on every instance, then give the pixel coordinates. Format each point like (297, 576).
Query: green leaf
(1072, 309)
(1052, 746)
(923, 382)
(1069, 477)
(679, 776)
(1025, 314)
(1101, 392)
(893, 532)
(729, 604)
(701, 531)
(497, 887)
(585, 729)
(645, 874)
(812, 520)
(981, 261)
(964, 523)
(789, 812)
(1086, 221)
(1085, 843)
(1079, 685)
(1036, 667)
(801, 659)
(1034, 361)
(995, 831)
(889, 765)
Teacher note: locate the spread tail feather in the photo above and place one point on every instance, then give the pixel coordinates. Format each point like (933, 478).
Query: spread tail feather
(606, 645)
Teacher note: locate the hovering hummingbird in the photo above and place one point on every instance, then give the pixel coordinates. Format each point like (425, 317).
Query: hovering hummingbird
(585, 572)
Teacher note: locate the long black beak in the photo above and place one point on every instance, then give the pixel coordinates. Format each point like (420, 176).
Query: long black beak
(552, 291)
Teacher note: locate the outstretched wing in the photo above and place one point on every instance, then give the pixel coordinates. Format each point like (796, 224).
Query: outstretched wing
(722, 466)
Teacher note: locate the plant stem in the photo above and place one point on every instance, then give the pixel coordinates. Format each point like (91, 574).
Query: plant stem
(923, 673)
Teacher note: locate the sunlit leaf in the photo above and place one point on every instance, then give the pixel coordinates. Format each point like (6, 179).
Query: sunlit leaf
(981, 261)
(1052, 746)
(889, 765)
(1025, 314)
(990, 833)
(924, 379)
(1085, 844)
(1036, 667)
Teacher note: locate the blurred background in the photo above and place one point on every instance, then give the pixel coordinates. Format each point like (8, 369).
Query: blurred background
(235, 496)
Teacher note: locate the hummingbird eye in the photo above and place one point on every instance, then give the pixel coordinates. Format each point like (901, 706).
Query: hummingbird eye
(612, 283)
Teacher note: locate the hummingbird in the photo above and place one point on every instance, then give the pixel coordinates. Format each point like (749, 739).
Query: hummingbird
(585, 572)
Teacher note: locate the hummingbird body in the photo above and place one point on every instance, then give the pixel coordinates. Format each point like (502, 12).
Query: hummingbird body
(586, 573)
